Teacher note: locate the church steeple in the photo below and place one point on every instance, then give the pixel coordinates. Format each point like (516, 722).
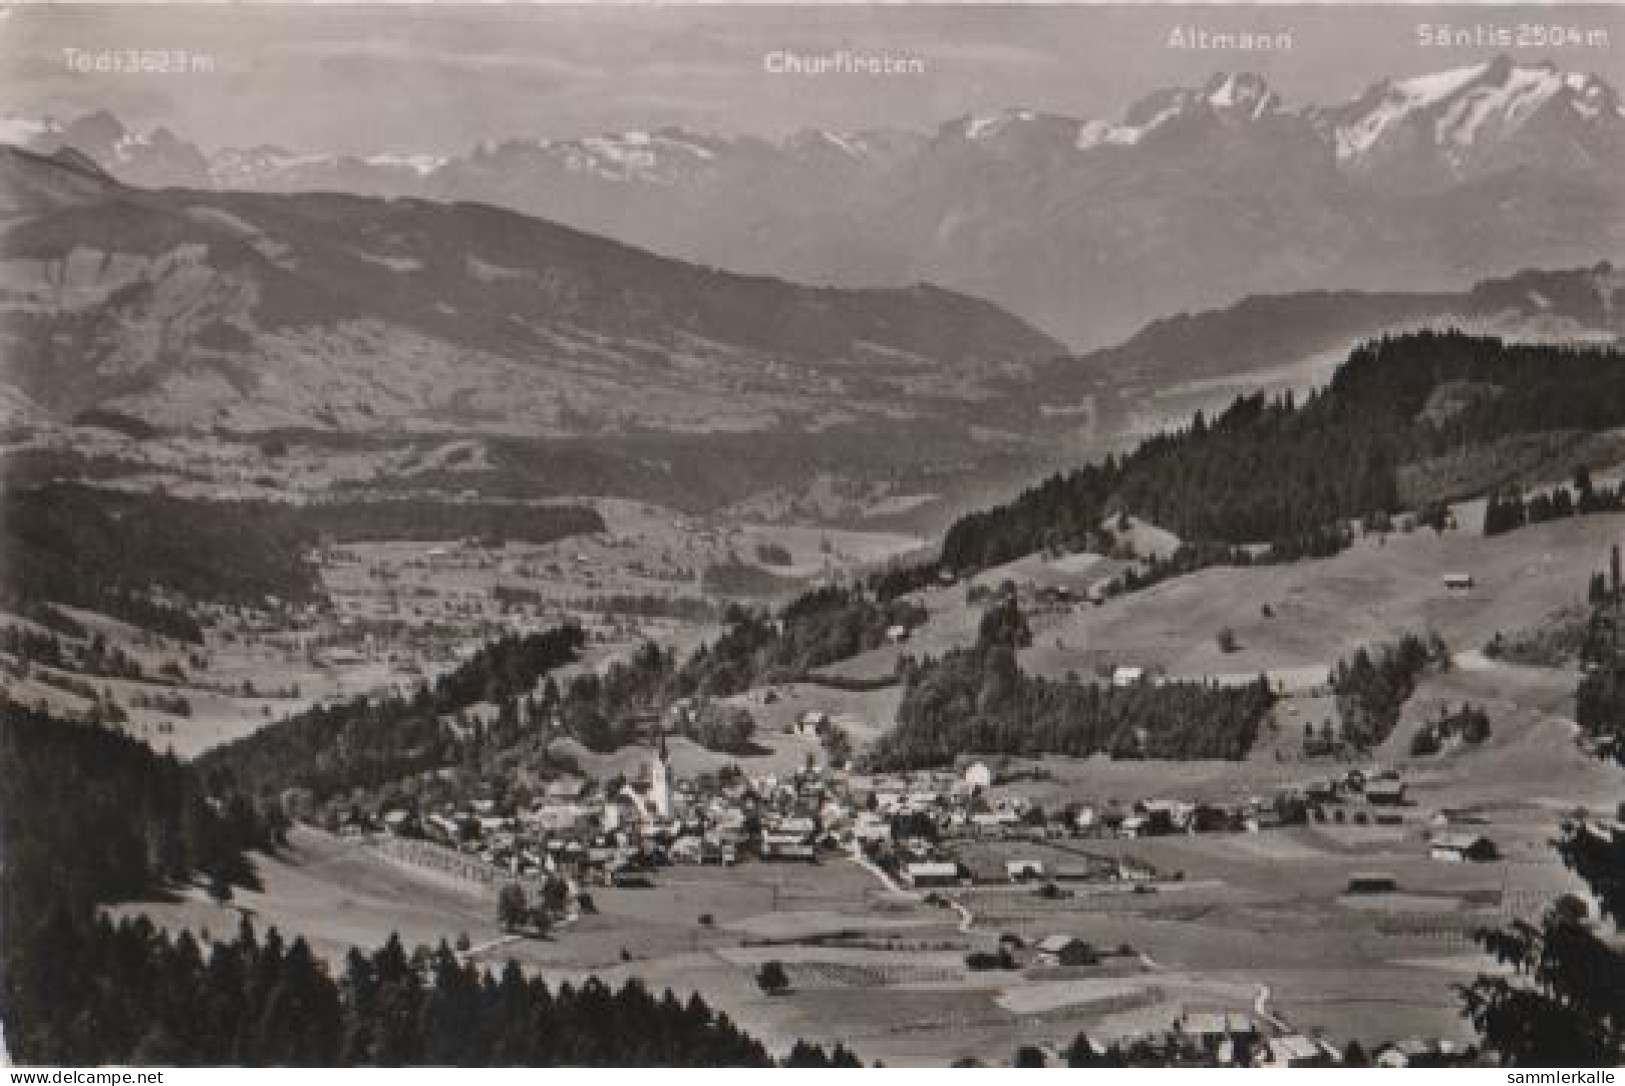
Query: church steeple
(660, 777)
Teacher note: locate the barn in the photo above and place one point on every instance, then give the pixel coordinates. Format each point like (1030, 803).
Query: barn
(1463, 848)
(1066, 950)
(931, 874)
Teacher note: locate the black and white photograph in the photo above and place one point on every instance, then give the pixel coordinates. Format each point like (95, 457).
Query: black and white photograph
(822, 535)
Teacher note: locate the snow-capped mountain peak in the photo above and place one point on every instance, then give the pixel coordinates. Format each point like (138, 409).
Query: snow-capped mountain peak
(422, 165)
(28, 131)
(1241, 95)
(1236, 98)
(982, 126)
(1465, 113)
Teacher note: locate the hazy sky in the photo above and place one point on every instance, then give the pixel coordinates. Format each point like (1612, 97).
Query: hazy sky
(440, 78)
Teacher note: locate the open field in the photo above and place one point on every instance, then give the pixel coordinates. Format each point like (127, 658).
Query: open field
(1321, 610)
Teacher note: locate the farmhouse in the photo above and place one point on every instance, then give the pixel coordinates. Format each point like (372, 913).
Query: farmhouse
(1166, 815)
(812, 724)
(628, 876)
(1134, 826)
(1296, 1050)
(788, 846)
(1385, 793)
(1462, 848)
(931, 873)
(1372, 882)
(339, 657)
(1458, 582)
(1124, 675)
(565, 789)
(1065, 950)
(1214, 1030)
(871, 829)
(1408, 1051)
(1022, 870)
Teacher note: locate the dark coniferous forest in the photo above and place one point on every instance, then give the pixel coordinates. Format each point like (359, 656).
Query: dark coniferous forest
(1373, 686)
(88, 817)
(367, 741)
(979, 701)
(144, 557)
(1291, 475)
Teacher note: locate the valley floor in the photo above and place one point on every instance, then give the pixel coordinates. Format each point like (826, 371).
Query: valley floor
(1260, 922)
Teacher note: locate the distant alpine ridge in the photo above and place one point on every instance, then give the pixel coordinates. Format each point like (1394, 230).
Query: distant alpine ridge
(1192, 197)
(256, 311)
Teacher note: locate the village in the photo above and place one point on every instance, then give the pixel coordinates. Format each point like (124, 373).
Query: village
(937, 829)
(959, 840)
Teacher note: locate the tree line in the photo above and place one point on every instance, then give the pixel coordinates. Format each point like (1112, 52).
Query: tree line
(978, 700)
(1508, 510)
(262, 1000)
(1373, 686)
(370, 741)
(147, 558)
(1291, 476)
(90, 816)
(367, 741)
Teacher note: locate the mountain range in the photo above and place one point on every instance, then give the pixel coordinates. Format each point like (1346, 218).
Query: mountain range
(250, 311)
(1192, 198)
(472, 348)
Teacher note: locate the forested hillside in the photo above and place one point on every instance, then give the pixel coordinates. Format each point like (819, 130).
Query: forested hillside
(120, 553)
(367, 741)
(88, 816)
(140, 557)
(262, 1000)
(817, 628)
(1290, 475)
(979, 701)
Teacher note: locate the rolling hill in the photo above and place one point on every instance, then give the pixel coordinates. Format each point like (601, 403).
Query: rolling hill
(252, 312)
